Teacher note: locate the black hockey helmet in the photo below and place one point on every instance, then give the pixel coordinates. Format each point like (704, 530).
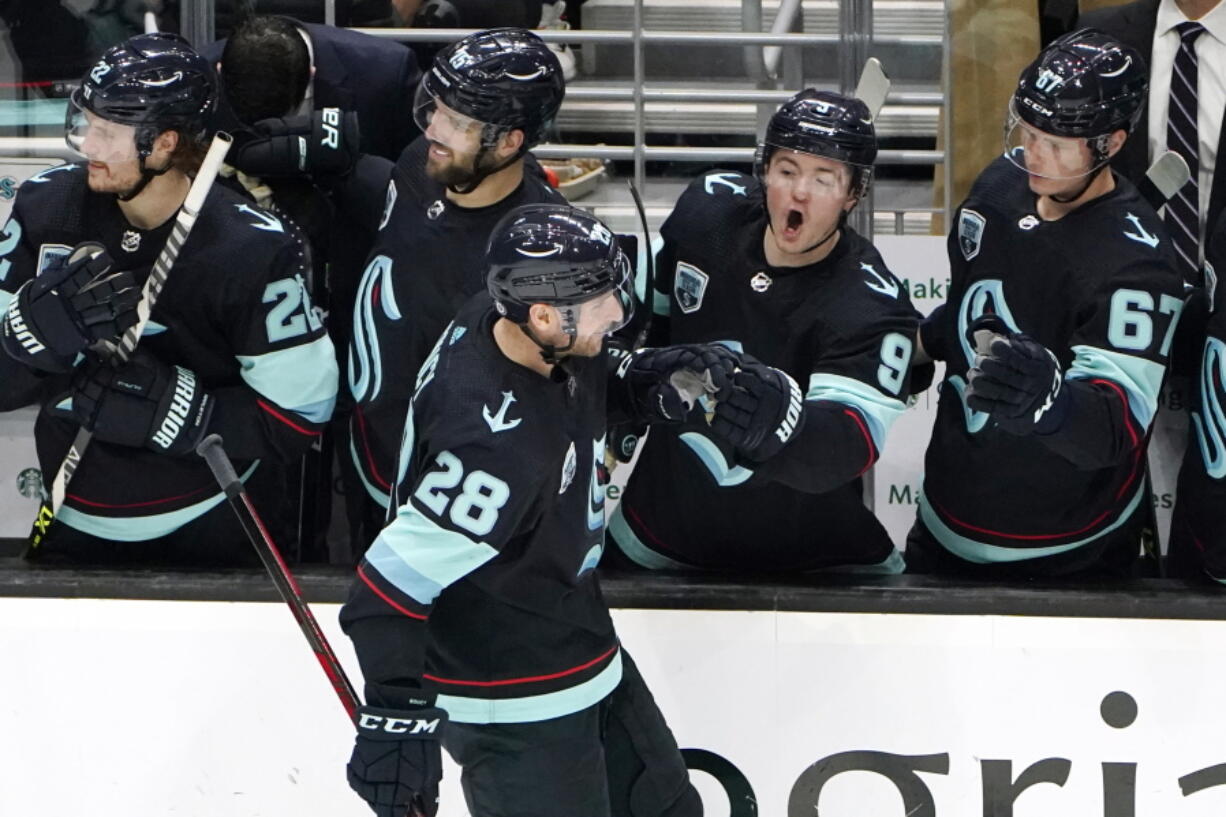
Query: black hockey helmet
(824, 123)
(506, 78)
(154, 82)
(557, 255)
(1084, 84)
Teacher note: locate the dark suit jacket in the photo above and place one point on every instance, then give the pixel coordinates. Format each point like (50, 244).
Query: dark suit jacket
(370, 76)
(1133, 24)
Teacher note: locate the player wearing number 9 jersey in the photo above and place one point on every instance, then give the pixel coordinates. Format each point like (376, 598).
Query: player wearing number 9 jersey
(232, 346)
(1056, 336)
(769, 267)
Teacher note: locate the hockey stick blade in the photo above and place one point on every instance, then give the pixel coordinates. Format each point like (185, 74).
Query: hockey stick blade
(873, 87)
(1165, 178)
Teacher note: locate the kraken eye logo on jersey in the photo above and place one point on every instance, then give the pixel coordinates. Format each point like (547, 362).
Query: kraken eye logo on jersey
(435, 209)
(761, 282)
(1141, 235)
(689, 286)
(982, 298)
(569, 465)
(1210, 422)
(970, 233)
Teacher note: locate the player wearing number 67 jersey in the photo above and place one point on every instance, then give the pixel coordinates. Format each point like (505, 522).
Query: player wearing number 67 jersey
(232, 346)
(477, 610)
(1056, 336)
(770, 267)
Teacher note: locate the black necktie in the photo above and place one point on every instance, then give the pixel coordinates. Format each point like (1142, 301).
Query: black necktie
(1183, 211)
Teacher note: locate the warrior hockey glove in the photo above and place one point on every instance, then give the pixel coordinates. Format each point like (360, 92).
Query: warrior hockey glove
(396, 762)
(143, 403)
(1019, 383)
(322, 143)
(665, 384)
(74, 303)
(763, 413)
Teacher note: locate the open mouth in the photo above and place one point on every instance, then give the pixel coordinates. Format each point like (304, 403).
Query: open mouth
(792, 224)
(440, 150)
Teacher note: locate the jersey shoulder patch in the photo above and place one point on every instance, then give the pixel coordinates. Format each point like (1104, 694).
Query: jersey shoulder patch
(716, 203)
(52, 201)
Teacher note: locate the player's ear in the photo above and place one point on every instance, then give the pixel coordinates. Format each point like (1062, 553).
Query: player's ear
(1115, 142)
(510, 142)
(164, 145)
(542, 318)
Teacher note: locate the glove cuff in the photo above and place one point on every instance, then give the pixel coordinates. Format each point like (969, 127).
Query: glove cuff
(376, 723)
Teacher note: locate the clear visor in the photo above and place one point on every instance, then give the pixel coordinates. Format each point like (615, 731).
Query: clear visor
(1045, 155)
(605, 313)
(441, 124)
(808, 175)
(98, 139)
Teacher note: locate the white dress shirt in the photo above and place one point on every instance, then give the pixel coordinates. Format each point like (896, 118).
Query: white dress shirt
(1210, 92)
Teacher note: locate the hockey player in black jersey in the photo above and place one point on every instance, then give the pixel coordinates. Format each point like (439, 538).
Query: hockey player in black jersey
(1198, 526)
(769, 266)
(476, 614)
(485, 102)
(232, 344)
(1056, 336)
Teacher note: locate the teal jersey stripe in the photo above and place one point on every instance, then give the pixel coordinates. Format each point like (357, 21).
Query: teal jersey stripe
(418, 555)
(1140, 379)
(635, 550)
(878, 410)
(710, 455)
(532, 708)
(141, 528)
(981, 553)
(300, 379)
(382, 498)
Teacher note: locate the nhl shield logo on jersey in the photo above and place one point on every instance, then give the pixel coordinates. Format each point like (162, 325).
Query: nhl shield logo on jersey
(970, 233)
(761, 282)
(689, 287)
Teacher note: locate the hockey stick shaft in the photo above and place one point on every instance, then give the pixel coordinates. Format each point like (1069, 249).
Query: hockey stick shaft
(184, 221)
(223, 471)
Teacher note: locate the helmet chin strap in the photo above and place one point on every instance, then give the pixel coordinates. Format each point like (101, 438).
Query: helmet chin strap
(549, 352)
(479, 175)
(147, 175)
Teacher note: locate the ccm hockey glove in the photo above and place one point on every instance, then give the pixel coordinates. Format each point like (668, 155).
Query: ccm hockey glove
(396, 761)
(1017, 381)
(324, 142)
(74, 303)
(762, 414)
(143, 403)
(665, 384)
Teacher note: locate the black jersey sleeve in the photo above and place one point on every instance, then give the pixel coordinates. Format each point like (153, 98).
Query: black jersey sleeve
(365, 193)
(467, 494)
(1120, 351)
(286, 361)
(858, 385)
(20, 252)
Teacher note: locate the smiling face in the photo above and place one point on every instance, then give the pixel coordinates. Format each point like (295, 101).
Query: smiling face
(805, 197)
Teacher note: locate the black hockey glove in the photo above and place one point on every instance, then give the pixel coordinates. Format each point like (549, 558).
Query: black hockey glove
(74, 303)
(396, 761)
(324, 143)
(763, 413)
(665, 384)
(1016, 380)
(143, 403)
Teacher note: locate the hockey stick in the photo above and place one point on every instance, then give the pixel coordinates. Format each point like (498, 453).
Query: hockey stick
(120, 351)
(1164, 179)
(223, 471)
(873, 86)
(649, 284)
